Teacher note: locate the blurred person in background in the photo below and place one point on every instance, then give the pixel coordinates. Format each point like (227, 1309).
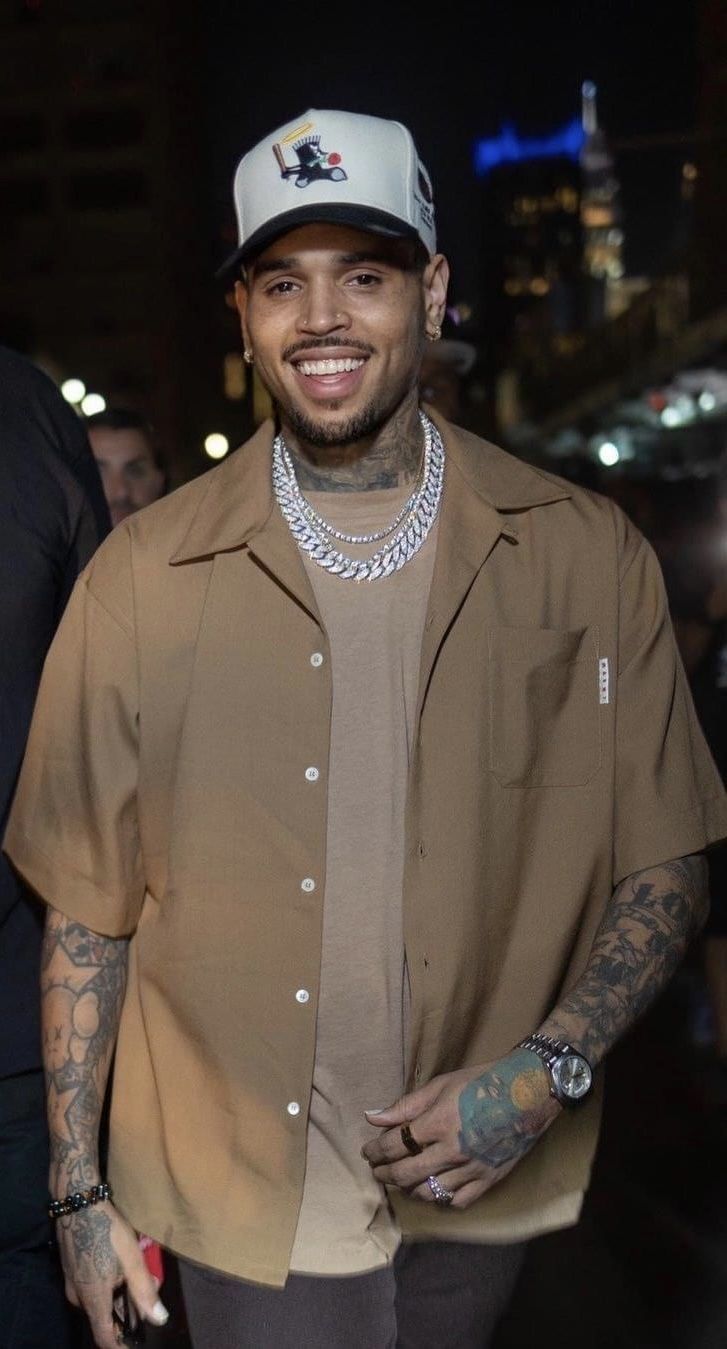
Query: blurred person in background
(129, 460)
(52, 517)
(443, 375)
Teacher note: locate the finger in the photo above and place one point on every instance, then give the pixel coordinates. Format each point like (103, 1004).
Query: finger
(412, 1171)
(406, 1108)
(429, 1127)
(470, 1193)
(71, 1294)
(390, 1146)
(451, 1180)
(98, 1311)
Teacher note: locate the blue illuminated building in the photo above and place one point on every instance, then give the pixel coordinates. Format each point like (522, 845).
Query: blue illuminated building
(510, 148)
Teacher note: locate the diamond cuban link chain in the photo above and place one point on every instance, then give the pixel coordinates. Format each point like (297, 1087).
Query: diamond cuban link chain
(405, 534)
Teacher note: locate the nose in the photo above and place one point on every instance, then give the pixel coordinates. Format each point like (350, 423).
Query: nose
(116, 489)
(323, 311)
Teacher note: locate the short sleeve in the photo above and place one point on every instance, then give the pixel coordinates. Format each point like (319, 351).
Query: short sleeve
(669, 800)
(72, 832)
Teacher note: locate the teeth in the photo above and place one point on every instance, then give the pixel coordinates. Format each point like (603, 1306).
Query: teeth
(329, 367)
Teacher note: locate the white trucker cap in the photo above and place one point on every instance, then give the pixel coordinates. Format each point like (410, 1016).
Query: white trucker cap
(341, 167)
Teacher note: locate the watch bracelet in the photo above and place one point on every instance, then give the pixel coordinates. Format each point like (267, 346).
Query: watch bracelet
(547, 1048)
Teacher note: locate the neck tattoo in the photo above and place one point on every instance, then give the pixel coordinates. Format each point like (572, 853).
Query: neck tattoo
(404, 536)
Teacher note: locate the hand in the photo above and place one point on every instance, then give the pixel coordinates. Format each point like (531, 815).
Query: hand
(99, 1251)
(474, 1125)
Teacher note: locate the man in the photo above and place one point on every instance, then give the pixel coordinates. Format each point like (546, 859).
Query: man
(131, 469)
(367, 796)
(52, 516)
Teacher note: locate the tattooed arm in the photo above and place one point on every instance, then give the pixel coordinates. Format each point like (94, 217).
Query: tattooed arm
(83, 981)
(643, 937)
(476, 1124)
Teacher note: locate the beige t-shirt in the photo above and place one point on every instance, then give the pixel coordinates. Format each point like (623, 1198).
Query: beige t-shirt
(375, 630)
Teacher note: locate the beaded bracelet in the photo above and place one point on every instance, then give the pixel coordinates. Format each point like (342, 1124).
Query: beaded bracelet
(72, 1203)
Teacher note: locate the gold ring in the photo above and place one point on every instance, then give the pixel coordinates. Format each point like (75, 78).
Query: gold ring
(410, 1142)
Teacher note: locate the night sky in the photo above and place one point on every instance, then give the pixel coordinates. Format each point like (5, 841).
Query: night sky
(453, 79)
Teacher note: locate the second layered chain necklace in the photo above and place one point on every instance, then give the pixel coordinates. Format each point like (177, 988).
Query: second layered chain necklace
(404, 536)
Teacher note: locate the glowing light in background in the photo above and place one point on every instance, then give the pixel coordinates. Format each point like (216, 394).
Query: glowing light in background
(609, 454)
(92, 403)
(73, 390)
(511, 148)
(216, 445)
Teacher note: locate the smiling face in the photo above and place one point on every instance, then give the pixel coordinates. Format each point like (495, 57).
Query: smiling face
(336, 320)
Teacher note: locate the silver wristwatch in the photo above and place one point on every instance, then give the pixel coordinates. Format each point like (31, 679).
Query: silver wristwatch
(571, 1075)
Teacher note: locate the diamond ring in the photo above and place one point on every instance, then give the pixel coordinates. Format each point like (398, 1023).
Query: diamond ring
(441, 1195)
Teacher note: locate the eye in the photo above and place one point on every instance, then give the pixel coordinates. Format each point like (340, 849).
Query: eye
(285, 287)
(364, 279)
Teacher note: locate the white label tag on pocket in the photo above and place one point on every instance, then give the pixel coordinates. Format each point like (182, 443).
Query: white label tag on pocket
(603, 680)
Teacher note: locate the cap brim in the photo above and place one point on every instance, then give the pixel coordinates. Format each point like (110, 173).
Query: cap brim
(335, 213)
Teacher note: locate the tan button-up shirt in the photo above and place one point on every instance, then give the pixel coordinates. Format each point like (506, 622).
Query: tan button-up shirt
(167, 792)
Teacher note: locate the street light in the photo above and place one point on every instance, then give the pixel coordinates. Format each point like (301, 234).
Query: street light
(216, 445)
(73, 390)
(608, 453)
(92, 403)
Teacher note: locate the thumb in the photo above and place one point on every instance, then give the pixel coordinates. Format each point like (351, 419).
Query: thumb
(144, 1290)
(406, 1108)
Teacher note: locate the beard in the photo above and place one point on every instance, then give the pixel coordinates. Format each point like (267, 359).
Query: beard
(348, 431)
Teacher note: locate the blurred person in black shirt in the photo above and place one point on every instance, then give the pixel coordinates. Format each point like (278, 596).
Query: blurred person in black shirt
(52, 517)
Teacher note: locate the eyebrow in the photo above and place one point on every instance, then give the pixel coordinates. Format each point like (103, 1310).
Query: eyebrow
(138, 459)
(341, 260)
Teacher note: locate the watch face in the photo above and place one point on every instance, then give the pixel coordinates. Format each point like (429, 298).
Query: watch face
(572, 1077)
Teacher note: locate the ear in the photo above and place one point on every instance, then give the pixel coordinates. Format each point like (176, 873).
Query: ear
(435, 281)
(241, 301)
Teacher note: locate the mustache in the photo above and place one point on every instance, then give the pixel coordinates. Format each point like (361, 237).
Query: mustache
(325, 344)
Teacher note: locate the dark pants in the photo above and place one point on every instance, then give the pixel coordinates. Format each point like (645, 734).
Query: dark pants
(34, 1313)
(437, 1295)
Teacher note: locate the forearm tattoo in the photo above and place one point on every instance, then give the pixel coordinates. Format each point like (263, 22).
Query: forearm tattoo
(504, 1111)
(83, 981)
(649, 922)
(648, 925)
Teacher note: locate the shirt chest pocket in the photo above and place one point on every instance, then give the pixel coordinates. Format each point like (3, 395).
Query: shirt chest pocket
(544, 709)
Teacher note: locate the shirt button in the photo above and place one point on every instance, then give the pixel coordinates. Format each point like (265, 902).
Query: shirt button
(293, 1108)
(316, 659)
(312, 774)
(302, 995)
(308, 885)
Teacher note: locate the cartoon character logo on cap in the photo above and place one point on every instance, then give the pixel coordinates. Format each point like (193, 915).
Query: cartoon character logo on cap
(313, 163)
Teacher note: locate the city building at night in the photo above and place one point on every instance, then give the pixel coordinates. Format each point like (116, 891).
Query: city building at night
(638, 387)
(600, 212)
(553, 239)
(102, 238)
